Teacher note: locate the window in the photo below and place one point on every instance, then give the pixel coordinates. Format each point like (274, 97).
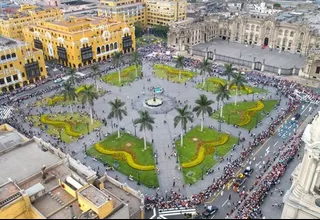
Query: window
(11, 65)
(9, 79)
(258, 28)
(291, 34)
(15, 77)
(1, 81)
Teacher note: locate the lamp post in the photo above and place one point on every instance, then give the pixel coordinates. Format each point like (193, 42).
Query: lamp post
(135, 130)
(257, 119)
(228, 118)
(239, 137)
(219, 123)
(156, 156)
(138, 178)
(207, 86)
(202, 168)
(88, 127)
(252, 96)
(177, 161)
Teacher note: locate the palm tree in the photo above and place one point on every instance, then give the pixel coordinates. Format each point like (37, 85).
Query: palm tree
(180, 64)
(239, 82)
(136, 60)
(88, 96)
(117, 61)
(183, 117)
(69, 93)
(222, 93)
(205, 67)
(117, 111)
(96, 70)
(203, 107)
(72, 76)
(145, 121)
(229, 70)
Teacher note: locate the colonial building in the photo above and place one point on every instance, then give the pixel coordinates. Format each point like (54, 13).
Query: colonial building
(151, 12)
(294, 35)
(78, 42)
(302, 200)
(20, 64)
(11, 23)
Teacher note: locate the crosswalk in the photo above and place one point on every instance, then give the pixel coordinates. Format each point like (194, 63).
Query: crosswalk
(166, 213)
(5, 112)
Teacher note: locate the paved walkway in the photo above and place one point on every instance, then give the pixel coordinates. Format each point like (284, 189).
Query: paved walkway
(163, 134)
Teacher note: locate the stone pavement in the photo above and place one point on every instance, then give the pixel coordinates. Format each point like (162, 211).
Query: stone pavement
(163, 134)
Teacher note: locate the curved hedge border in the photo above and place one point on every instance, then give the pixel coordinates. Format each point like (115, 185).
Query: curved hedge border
(219, 81)
(52, 101)
(250, 112)
(126, 156)
(60, 124)
(173, 71)
(201, 154)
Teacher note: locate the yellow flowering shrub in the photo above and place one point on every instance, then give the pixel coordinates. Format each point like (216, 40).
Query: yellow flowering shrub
(60, 124)
(173, 71)
(125, 155)
(250, 112)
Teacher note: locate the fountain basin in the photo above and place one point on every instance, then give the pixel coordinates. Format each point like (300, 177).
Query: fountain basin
(154, 102)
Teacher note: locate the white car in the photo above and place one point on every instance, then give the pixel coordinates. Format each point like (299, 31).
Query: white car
(59, 80)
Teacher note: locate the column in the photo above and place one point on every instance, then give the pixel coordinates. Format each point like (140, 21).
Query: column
(254, 61)
(279, 71)
(206, 54)
(191, 50)
(310, 175)
(5, 80)
(294, 70)
(262, 67)
(315, 178)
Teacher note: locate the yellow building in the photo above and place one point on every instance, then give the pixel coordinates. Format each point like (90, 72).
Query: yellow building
(82, 41)
(164, 12)
(151, 12)
(11, 23)
(19, 64)
(130, 11)
(38, 181)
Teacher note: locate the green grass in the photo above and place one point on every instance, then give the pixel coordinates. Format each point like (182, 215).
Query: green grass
(46, 101)
(212, 87)
(79, 120)
(135, 148)
(128, 75)
(153, 40)
(189, 150)
(161, 72)
(235, 112)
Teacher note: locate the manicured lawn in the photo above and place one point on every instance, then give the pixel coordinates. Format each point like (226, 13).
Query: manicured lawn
(236, 112)
(192, 142)
(153, 39)
(78, 122)
(171, 73)
(212, 85)
(59, 98)
(127, 74)
(133, 146)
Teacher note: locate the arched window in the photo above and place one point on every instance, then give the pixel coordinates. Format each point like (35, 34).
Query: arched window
(280, 32)
(286, 32)
(13, 55)
(111, 46)
(247, 27)
(98, 50)
(252, 27)
(301, 36)
(8, 56)
(258, 28)
(291, 34)
(107, 47)
(116, 45)
(238, 25)
(3, 57)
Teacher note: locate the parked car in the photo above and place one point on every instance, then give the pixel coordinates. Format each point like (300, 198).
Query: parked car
(248, 171)
(296, 117)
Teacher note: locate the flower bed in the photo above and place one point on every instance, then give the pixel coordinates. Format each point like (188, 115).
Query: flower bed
(60, 124)
(122, 155)
(173, 71)
(250, 112)
(202, 150)
(222, 82)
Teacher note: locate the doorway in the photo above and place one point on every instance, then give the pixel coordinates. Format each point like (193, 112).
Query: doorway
(266, 41)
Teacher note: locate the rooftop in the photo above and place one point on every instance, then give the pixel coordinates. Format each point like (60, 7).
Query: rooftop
(95, 196)
(6, 43)
(24, 161)
(8, 189)
(81, 22)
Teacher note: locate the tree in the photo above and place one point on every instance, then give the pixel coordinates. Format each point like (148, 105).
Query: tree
(145, 121)
(222, 93)
(117, 61)
(136, 60)
(180, 64)
(117, 111)
(183, 117)
(138, 29)
(229, 70)
(203, 107)
(239, 82)
(205, 67)
(96, 70)
(72, 76)
(88, 96)
(69, 93)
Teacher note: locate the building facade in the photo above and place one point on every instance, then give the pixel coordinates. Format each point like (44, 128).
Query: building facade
(20, 64)
(301, 201)
(148, 12)
(261, 30)
(82, 41)
(11, 24)
(130, 11)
